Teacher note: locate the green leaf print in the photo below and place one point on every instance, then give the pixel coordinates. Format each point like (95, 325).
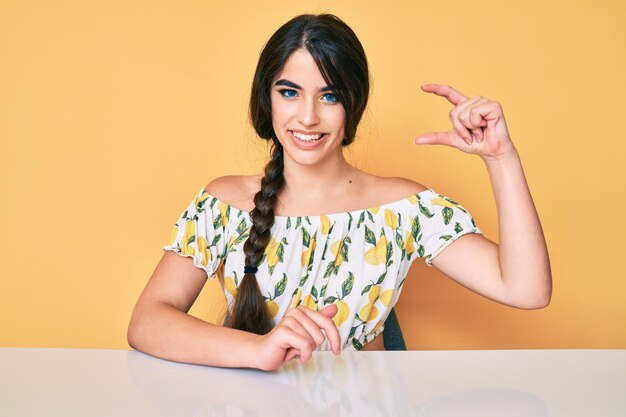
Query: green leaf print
(184, 216)
(370, 216)
(344, 249)
(330, 300)
(280, 252)
(369, 236)
(416, 227)
(323, 291)
(361, 220)
(357, 345)
(216, 239)
(306, 238)
(346, 287)
(453, 202)
(308, 221)
(298, 221)
(425, 211)
(399, 240)
(366, 289)
(457, 227)
(288, 222)
(314, 292)
(217, 222)
(239, 240)
(389, 251)
(352, 331)
(195, 217)
(445, 237)
(447, 213)
(473, 224)
(303, 280)
(279, 288)
(325, 247)
(329, 269)
(213, 201)
(242, 226)
(421, 251)
(192, 239)
(200, 206)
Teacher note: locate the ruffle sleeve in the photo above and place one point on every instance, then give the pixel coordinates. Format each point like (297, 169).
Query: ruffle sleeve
(200, 233)
(442, 221)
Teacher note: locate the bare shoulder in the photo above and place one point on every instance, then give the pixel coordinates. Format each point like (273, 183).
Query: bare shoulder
(235, 190)
(407, 186)
(398, 187)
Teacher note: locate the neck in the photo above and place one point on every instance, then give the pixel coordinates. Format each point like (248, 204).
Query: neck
(329, 178)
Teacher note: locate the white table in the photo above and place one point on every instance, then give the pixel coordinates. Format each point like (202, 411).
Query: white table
(529, 383)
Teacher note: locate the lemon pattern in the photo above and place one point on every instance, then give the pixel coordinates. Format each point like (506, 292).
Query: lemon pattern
(357, 260)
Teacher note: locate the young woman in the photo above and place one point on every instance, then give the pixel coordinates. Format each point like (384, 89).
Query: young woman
(312, 254)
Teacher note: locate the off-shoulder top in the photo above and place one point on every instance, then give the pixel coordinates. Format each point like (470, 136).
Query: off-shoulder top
(357, 260)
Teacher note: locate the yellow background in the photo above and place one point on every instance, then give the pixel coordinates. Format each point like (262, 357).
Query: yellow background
(114, 114)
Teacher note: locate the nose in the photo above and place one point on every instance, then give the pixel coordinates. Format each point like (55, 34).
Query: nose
(309, 113)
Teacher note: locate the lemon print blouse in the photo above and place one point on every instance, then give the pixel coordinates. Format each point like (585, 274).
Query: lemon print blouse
(357, 260)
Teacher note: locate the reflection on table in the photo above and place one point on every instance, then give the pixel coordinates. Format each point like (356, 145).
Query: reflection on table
(81, 382)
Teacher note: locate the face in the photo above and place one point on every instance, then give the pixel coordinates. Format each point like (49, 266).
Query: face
(306, 116)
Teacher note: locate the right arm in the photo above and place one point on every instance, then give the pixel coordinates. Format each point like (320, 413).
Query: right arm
(161, 327)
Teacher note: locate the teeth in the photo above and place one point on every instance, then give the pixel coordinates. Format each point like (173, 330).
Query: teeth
(306, 137)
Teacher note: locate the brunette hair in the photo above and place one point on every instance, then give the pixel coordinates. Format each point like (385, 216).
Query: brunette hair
(341, 60)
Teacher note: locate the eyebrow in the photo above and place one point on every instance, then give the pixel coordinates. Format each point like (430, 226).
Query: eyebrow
(296, 86)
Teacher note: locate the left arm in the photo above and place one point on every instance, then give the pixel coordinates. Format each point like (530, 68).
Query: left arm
(517, 272)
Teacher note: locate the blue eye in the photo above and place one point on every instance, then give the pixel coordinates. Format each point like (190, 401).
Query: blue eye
(330, 97)
(287, 93)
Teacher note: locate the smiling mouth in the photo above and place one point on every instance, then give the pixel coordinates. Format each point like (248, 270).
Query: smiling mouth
(308, 138)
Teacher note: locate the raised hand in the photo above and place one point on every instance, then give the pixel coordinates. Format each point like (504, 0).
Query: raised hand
(298, 334)
(478, 125)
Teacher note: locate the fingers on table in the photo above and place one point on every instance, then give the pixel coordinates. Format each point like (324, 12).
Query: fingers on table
(310, 323)
(296, 336)
(323, 322)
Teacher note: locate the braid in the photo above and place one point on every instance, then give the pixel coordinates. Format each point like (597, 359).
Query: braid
(250, 313)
